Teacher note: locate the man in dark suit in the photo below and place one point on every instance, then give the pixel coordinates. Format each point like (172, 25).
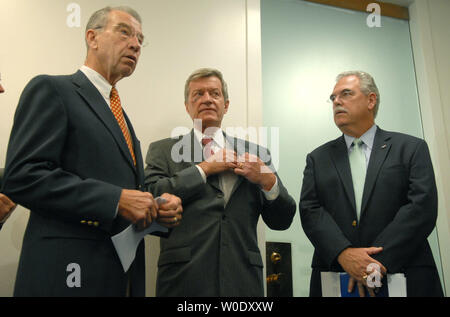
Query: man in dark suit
(6, 205)
(224, 187)
(74, 160)
(369, 197)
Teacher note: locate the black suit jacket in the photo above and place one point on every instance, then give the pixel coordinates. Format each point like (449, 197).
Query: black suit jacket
(214, 251)
(68, 162)
(398, 212)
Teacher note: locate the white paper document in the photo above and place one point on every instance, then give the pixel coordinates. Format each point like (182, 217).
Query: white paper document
(335, 284)
(127, 241)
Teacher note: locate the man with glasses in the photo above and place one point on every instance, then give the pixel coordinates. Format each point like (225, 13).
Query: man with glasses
(7, 206)
(369, 199)
(74, 160)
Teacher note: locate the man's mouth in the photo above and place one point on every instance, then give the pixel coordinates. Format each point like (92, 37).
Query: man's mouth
(207, 109)
(339, 111)
(133, 58)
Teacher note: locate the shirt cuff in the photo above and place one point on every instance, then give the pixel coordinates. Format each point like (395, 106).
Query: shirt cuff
(202, 173)
(273, 193)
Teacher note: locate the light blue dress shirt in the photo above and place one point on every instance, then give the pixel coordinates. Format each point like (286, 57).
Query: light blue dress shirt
(368, 137)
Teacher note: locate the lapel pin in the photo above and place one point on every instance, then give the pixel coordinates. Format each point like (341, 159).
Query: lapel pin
(383, 146)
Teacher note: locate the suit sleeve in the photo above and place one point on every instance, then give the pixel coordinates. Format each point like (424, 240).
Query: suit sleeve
(416, 219)
(279, 213)
(319, 226)
(34, 174)
(160, 179)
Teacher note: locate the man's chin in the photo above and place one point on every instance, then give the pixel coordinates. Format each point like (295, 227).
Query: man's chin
(340, 122)
(209, 122)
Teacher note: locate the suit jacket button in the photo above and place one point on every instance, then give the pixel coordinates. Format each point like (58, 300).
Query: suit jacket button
(89, 223)
(83, 222)
(220, 195)
(95, 223)
(354, 223)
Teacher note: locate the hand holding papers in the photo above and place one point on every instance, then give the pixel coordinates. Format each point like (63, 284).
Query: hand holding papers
(335, 284)
(126, 242)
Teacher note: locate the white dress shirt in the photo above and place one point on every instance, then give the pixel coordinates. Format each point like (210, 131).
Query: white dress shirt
(102, 85)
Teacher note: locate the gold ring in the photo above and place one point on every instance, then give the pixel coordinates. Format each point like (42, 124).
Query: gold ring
(364, 276)
(175, 220)
(241, 165)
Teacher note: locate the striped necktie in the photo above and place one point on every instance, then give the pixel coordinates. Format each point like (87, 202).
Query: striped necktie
(116, 109)
(207, 147)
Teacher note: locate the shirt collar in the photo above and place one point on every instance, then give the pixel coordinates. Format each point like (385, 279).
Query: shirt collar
(368, 137)
(218, 137)
(102, 85)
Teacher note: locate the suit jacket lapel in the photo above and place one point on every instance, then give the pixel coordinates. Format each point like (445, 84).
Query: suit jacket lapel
(340, 159)
(96, 102)
(380, 150)
(136, 147)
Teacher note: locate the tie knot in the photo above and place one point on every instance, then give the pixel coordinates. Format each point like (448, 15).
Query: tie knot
(206, 140)
(114, 92)
(358, 142)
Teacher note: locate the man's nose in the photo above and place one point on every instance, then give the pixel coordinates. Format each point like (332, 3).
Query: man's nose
(337, 101)
(135, 44)
(206, 98)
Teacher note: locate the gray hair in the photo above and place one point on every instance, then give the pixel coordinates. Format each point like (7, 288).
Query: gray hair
(203, 73)
(99, 19)
(366, 84)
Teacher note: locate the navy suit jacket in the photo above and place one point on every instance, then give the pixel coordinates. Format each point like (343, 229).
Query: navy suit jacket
(68, 162)
(398, 211)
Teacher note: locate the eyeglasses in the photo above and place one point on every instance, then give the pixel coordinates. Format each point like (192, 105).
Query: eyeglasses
(344, 95)
(127, 33)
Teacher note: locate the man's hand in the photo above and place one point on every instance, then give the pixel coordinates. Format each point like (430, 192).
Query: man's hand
(169, 213)
(221, 161)
(138, 207)
(355, 261)
(251, 167)
(7, 206)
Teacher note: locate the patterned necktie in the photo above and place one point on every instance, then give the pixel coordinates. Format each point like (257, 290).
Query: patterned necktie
(207, 147)
(116, 109)
(358, 167)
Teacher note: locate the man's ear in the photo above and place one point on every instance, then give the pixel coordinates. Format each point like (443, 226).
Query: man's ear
(91, 39)
(372, 101)
(227, 104)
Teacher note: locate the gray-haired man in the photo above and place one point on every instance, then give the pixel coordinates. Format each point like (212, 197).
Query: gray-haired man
(369, 198)
(74, 160)
(214, 252)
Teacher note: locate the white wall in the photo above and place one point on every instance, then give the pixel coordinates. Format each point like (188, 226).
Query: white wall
(183, 36)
